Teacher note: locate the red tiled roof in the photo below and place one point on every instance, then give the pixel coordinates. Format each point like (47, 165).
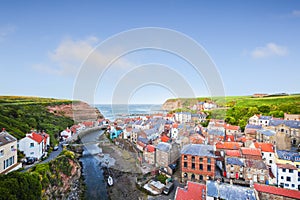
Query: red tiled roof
(169, 115)
(277, 191)
(231, 127)
(233, 153)
(251, 151)
(88, 123)
(150, 148)
(175, 125)
(193, 192)
(164, 138)
(287, 166)
(36, 137)
(228, 145)
(266, 147)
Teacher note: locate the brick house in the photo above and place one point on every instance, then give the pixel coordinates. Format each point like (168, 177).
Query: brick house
(197, 162)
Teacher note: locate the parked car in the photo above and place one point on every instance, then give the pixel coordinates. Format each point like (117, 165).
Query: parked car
(30, 160)
(169, 187)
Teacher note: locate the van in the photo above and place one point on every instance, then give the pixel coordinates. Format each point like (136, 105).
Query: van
(169, 187)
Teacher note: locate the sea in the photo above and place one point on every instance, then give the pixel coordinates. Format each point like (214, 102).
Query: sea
(115, 111)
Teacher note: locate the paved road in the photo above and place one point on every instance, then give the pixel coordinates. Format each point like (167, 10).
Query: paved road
(52, 155)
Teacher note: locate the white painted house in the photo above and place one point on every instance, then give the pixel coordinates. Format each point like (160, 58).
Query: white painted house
(286, 175)
(267, 151)
(34, 144)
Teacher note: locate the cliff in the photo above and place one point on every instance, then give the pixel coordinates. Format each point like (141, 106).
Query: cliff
(173, 104)
(60, 178)
(79, 111)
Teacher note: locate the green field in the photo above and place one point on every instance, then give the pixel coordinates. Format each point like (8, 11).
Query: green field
(18, 115)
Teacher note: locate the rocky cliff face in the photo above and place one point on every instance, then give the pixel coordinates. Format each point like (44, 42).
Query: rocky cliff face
(172, 104)
(79, 111)
(65, 186)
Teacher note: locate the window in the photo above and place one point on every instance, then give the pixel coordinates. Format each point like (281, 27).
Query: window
(12, 148)
(262, 153)
(193, 165)
(1, 153)
(270, 161)
(293, 185)
(200, 159)
(193, 158)
(185, 157)
(185, 164)
(287, 185)
(288, 179)
(281, 177)
(283, 170)
(208, 168)
(208, 160)
(298, 166)
(185, 175)
(270, 155)
(201, 167)
(291, 171)
(193, 177)
(31, 145)
(200, 177)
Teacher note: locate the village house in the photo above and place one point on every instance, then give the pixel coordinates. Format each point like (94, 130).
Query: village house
(174, 132)
(65, 134)
(271, 192)
(191, 191)
(8, 153)
(264, 120)
(256, 171)
(251, 130)
(232, 130)
(183, 117)
(291, 128)
(34, 144)
(166, 153)
(234, 168)
(214, 135)
(295, 117)
(267, 151)
(286, 157)
(286, 176)
(266, 136)
(217, 190)
(254, 120)
(251, 153)
(197, 162)
(149, 154)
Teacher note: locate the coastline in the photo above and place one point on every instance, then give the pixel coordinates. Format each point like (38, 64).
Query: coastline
(124, 172)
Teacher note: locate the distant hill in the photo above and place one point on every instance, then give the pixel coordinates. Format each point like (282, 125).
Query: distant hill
(18, 114)
(230, 101)
(236, 110)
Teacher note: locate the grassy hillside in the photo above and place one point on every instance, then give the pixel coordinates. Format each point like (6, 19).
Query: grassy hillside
(238, 109)
(21, 114)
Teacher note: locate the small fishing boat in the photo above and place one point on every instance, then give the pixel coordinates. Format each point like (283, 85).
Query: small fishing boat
(110, 181)
(101, 155)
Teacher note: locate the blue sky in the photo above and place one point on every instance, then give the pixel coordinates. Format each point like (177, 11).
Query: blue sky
(254, 44)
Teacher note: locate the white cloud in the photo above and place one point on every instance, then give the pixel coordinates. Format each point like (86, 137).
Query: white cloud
(296, 13)
(271, 49)
(5, 31)
(67, 58)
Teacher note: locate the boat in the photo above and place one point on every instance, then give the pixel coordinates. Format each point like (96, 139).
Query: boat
(101, 154)
(110, 181)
